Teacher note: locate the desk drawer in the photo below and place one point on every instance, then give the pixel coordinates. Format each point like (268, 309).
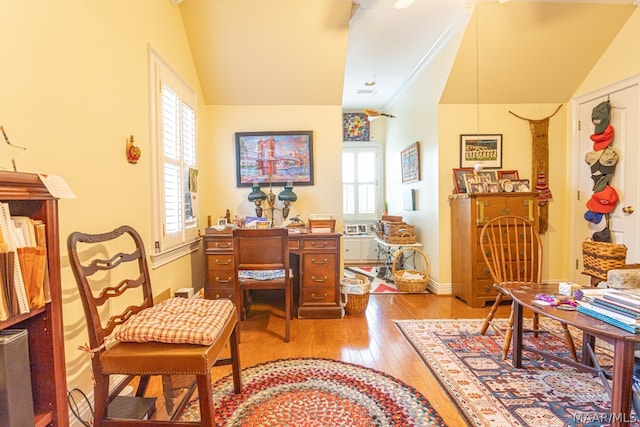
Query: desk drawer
(319, 270)
(218, 244)
(320, 243)
(220, 262)
(221, 278)
(216, 293)
(318, 296)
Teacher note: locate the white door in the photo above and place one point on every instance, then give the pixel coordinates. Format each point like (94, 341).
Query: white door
(624, 220)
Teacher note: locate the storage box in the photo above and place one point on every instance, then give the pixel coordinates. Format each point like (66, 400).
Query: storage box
(16, 399)
(322, 225)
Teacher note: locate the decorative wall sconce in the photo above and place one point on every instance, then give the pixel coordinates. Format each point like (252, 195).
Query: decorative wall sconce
(257, 196)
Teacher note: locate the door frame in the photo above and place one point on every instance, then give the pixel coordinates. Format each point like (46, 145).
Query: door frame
(577, 206)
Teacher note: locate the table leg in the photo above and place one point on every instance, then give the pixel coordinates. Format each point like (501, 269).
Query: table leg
(516, 343)
(622, 381)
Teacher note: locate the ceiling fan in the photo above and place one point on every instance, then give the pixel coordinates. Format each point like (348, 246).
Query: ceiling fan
(374, 114)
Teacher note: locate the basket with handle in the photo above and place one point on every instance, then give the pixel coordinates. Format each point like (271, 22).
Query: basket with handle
(411, 281)
(355, 294)
(600, 257)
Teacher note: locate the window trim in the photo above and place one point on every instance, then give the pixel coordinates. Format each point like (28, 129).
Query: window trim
(376, 147)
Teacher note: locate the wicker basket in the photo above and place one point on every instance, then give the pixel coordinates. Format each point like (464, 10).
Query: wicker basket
(401, 239)
(397, 228)
(600, 257)
(410, 284)
(356, 295)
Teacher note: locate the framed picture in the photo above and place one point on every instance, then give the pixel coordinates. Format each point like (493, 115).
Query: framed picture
(458, 178)
(351, 229)
(362, 228)
(469, 180)
(409, 199)
(410, 158)
(508, 174)
(476, 187)
(521, 185)
(487, 176)
(485, 149)
(492, 187)
(276, 157)
(222, 221)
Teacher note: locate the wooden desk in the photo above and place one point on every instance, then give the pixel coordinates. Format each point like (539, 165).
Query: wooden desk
(314, 259)
(623, 344)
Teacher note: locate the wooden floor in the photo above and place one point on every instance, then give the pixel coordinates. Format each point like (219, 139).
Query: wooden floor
(372, 340)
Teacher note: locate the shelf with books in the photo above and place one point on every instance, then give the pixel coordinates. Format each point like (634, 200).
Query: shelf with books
(27, 196)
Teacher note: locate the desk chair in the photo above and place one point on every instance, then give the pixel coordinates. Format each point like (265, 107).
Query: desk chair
(512, 249)
(261, 260)
(112, 274)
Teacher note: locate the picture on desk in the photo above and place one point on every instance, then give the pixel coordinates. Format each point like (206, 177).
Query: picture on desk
(350, 229)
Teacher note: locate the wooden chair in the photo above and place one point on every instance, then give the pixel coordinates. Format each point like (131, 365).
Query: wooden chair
(258, 254)
(512, 249)
(112, 274)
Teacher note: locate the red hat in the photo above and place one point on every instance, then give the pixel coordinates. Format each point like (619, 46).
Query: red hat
(603, 201)
(602, 140)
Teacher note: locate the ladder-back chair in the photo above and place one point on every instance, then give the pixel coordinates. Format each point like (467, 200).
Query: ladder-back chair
(261, 260)
(512, 249)
(115, 288)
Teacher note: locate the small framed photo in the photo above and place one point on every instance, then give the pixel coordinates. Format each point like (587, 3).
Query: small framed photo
(469, 179)
(222, 221)
(475, 187)
(362, 228)
(508, 174)
(351, 229)
(458, 178)
(484, 149)
(521, 185)
(492, 187)
(487, 176)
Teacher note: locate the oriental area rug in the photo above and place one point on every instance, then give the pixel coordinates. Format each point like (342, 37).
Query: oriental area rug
(308, 392)
(490, 392)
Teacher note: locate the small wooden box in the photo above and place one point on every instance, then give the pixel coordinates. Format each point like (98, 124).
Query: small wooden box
(322, 225)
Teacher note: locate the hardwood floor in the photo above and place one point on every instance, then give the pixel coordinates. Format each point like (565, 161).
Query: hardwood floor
(372, 340)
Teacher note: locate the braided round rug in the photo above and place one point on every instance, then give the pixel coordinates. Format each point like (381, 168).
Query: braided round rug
(316, 392)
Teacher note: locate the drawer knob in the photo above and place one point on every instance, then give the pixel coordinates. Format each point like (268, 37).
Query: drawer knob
(315, 279)
(219, 280)
(321, 297)
(486, 271)
(319, 261)
(487, 288)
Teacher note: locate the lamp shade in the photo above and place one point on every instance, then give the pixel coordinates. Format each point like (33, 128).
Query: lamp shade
(287, 195)
(256, 194)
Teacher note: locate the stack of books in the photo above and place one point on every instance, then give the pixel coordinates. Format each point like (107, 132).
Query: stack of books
(616, 307)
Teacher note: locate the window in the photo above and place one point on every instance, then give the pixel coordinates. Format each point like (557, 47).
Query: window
(361, 176)
(174, 137)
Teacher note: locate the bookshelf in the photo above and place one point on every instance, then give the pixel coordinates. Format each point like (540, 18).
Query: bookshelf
(27, 196)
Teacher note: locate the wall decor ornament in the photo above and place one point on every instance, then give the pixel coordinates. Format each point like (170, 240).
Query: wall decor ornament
(133, 152)
(410, 162)
(275, 158)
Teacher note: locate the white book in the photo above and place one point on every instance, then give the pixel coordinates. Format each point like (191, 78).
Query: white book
(8, 233)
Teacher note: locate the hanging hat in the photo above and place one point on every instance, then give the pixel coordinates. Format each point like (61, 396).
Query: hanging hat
(593, 217)
(544, 194)
(602, 236)
(600, 225)
(607, 161)
(603, 139)
(600, 116)
(603, 201)
(600, 181)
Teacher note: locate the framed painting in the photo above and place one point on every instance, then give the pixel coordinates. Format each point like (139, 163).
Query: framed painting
(278, 158)
(484, 149)
(355, 127)
(458, 178)
(410, 161)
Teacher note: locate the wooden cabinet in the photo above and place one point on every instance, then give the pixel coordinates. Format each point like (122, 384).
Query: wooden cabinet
(27, 196)
(470, 276)
(314, 260)
(316, 266)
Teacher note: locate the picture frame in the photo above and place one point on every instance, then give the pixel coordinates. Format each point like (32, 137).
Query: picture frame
(410, 161)
(492, 187)
(279, 158)
(469, 180)
(476, 187)
(458, 179)
(362, 228)
(508, 174)
(521, 185)
(487, 176)
(485, 149)
(351, 229)
(222, 221)
(409, 199)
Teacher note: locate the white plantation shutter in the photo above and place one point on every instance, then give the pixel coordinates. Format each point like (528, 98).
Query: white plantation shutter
(361, 173)
(175, 134)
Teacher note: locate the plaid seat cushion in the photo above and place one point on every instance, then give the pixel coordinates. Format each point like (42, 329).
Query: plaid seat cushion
(178, 321)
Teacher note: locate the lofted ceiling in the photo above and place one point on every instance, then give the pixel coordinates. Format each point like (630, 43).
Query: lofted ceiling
(323, 52)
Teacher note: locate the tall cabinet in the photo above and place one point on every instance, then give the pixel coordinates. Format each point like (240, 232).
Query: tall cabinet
(470, 275)
(27, 196)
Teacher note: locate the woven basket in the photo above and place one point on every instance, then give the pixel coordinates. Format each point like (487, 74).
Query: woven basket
(397, 228)
(411, 285)
(600, 257)
(401, 239)
(356, 295)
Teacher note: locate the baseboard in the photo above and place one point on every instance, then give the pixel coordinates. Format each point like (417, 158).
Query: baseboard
(439, 288)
